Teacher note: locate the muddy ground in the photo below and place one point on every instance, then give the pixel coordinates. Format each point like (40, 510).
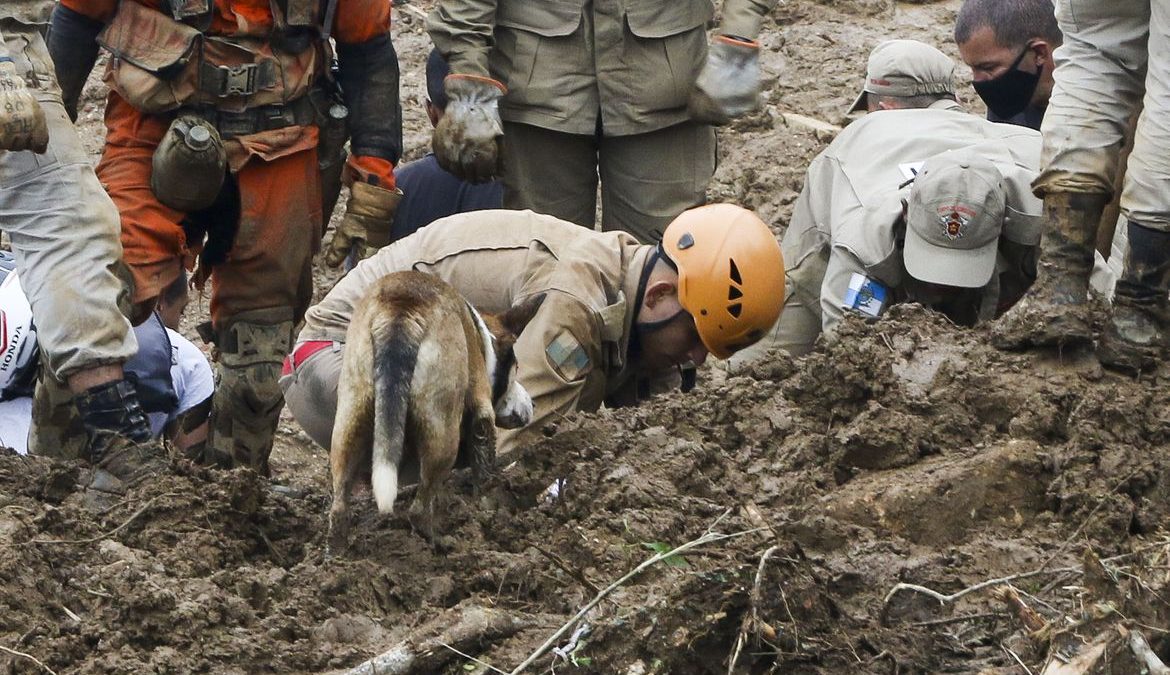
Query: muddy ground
(907, 451)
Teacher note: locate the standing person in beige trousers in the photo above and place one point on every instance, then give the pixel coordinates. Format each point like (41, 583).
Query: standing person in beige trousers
(1113, 53)
(560, 95)
(64, 232)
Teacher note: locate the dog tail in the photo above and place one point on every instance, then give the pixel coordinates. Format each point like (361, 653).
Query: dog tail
(395, 356)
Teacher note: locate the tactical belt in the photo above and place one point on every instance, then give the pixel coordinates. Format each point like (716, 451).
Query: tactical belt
(242, 80)
(300, 112)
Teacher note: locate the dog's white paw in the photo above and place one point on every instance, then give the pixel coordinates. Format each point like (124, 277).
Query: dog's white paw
(514, 410)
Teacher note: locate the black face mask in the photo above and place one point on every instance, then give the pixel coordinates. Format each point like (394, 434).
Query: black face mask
(1009, 94)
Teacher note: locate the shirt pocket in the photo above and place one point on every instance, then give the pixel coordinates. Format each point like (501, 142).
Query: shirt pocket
(663, 18)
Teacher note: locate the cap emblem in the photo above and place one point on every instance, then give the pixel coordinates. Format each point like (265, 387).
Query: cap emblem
(953, 223)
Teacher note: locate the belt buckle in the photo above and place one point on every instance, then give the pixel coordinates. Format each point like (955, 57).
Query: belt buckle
(275, 117)
(238, 80)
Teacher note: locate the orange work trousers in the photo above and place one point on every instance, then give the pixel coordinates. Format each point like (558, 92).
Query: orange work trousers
(280, 225)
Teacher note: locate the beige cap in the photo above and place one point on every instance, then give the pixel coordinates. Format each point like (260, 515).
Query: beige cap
(954, 220)
(906, 68)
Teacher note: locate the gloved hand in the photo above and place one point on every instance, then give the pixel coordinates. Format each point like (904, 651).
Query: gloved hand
(468, 140)
(729, 84)
(22, 121)
(365, 228)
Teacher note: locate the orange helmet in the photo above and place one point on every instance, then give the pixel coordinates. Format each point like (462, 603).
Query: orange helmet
(730, 274)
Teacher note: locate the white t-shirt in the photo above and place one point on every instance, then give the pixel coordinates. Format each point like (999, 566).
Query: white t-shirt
(190, 373)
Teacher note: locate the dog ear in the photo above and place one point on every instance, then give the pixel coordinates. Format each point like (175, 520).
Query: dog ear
(516, 318)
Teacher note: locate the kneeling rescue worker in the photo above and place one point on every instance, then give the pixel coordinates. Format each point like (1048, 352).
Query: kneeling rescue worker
(618, 317)
(223, 122)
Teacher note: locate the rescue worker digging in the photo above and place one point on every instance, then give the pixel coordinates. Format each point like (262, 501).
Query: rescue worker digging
(217, 116)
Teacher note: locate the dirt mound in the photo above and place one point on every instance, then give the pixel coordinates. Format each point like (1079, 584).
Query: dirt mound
(904, 452)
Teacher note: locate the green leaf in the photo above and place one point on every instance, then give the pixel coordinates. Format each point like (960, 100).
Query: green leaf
(583, 661)
(662, 548)
(469, 667)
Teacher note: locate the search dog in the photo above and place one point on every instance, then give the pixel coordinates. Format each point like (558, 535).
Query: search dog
(424, 375)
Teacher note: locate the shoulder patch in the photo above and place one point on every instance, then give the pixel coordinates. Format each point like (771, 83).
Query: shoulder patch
(865, 295)
(567, 356)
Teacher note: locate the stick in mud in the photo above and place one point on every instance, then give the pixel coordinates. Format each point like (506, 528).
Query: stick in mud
(708, 538)
(30, 657)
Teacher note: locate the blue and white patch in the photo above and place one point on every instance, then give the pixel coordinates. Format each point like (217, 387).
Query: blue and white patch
(866, 296)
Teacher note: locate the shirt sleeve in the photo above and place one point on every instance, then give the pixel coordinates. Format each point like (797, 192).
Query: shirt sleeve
(557, 357)
(843, 264)
(358, 21)
(191, 373)
(462, 31)
(743, 18)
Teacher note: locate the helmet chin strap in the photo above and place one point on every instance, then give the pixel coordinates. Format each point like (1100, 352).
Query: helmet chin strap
(646, 327)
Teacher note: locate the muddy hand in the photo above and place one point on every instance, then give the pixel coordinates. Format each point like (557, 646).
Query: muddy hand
(22, 121)
(366, 226)
(729, 84)
(469, 138)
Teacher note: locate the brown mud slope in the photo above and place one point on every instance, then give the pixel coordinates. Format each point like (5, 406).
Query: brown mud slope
(908, 452)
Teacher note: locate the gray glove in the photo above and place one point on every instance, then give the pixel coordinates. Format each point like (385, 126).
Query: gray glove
(729, 84)
(469, 139)
(22, 121)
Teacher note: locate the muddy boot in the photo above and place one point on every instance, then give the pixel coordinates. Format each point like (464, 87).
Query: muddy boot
(247, 402)
(1055, 311)
(120, 446)
(56, 430)
(1141, 312)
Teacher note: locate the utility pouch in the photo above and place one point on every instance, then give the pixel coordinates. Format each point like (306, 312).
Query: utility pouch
(155, 59)
(189, 165)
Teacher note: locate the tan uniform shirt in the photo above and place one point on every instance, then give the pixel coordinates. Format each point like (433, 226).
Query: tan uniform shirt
(574, 354)
(851, 201)
(569, 64)
(27, 11)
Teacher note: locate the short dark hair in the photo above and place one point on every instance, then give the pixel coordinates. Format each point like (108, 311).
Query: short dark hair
(1013, 22)
(437, 71)
(176, 290)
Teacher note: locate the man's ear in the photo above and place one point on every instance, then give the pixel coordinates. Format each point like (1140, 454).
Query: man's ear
(434, 113)
(516, 318)
(1042, 52)
(658, 291)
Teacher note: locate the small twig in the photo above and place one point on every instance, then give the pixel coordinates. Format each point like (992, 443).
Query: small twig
(1017, 659)
(1085, 523)
(70, 614)
(754, 620)
(30, 657)
(958, 619)
(886, 654)
(469, 657)
(945, 599)
(141, 510)
(579, 575)
(708, 538)
(1145, 655)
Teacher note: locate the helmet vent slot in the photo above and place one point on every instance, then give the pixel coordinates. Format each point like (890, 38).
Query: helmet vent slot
(734, 293)
(735, 310)
(735, 273)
